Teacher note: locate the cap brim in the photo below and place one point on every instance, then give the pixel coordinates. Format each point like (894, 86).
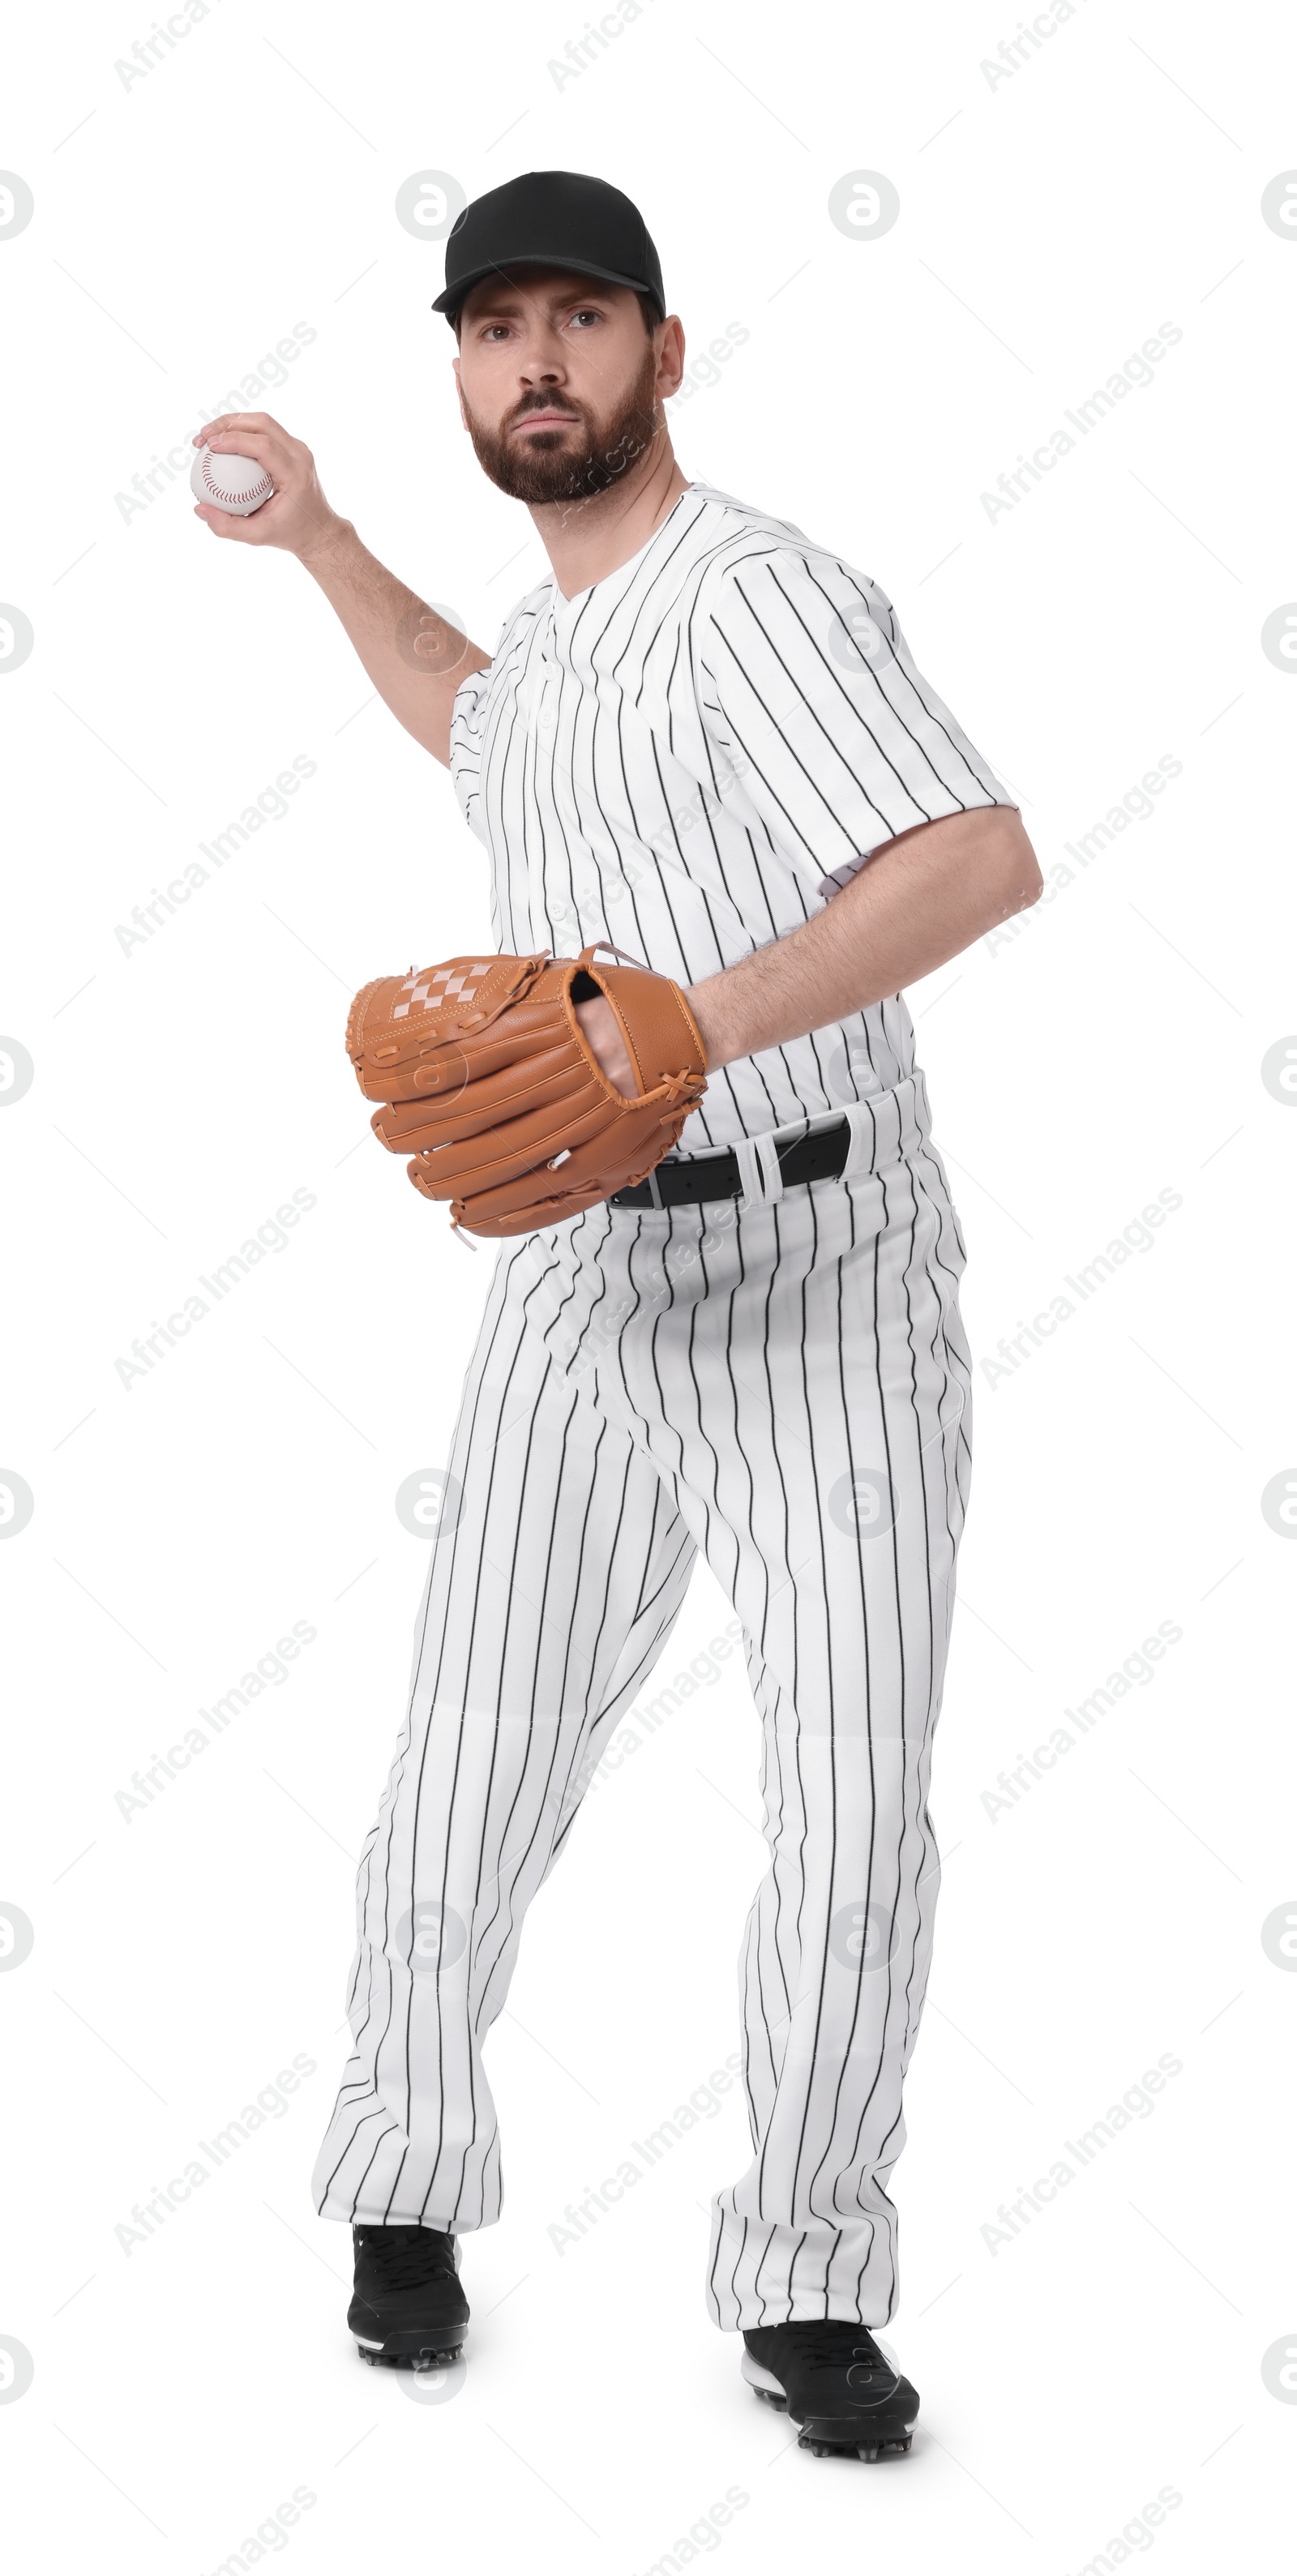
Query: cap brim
(453, 296)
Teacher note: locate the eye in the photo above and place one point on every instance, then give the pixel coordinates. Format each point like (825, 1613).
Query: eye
(588, 313)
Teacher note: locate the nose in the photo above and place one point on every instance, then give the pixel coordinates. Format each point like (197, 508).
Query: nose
(541, 359)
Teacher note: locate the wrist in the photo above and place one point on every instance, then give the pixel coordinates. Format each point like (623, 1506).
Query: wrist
(708, 1021)
(327, 546)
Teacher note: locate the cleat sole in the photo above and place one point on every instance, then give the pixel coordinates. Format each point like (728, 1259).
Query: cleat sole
(413, 2351)
(886, 2446)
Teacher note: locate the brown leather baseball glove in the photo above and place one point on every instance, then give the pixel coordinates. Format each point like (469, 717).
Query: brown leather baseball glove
(488, 1080)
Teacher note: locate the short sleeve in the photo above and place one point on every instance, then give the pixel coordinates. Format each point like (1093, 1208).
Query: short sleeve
(826, 731)
(467, 723)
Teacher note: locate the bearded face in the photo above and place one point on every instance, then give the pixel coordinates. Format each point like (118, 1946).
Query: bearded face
(569, 464)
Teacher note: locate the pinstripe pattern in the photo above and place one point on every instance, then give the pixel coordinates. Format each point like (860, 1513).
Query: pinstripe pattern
(688, 759)
(647, 1385)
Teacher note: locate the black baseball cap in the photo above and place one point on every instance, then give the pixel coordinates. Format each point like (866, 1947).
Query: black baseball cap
(551, 219)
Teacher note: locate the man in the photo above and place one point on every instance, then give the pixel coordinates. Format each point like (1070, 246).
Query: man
(702, 740)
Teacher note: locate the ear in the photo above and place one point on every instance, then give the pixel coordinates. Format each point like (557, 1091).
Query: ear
(670, 356)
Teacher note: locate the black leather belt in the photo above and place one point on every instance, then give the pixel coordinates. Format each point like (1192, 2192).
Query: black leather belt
(692, 1179)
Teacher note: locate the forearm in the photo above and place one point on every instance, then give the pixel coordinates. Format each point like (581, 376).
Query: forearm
(917, 903)
(415, 660)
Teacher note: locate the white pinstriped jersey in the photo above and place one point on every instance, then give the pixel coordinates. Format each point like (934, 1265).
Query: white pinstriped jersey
(691, 757)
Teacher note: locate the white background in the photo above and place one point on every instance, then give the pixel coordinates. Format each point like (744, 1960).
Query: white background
(1109, 1050)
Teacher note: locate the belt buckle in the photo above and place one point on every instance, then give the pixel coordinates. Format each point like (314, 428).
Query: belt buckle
(655, 1195)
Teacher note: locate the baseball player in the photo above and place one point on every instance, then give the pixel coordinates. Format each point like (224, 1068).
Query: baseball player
(700, 748)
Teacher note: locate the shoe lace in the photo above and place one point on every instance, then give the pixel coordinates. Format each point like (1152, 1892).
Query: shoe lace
(406, 2257)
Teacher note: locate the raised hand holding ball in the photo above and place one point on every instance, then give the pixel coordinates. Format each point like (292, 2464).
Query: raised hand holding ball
(254, 485)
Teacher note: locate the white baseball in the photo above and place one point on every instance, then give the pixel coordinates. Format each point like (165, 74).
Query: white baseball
(234, 483)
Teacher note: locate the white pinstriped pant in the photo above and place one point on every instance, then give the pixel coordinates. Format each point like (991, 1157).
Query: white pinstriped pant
(784, 1385)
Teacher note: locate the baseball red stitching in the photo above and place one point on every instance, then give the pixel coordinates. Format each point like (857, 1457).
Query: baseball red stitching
(264, 485)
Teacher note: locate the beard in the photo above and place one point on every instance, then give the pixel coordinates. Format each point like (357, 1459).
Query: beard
(567, 465)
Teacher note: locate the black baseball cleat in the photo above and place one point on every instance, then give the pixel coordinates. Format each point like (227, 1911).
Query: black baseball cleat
(408, 2308)
(830, 2376)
